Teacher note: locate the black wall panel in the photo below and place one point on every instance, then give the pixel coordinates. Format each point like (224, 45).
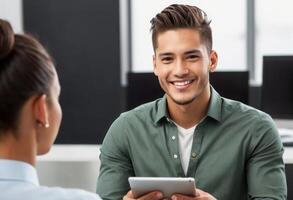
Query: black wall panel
(83, 38)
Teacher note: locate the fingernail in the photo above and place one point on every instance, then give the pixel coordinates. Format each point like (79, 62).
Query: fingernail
(159, 195)
(173, 197)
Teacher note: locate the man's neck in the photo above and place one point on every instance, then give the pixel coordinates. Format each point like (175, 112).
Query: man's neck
(190, 114)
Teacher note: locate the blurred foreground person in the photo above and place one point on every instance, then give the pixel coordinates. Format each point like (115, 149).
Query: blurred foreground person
(30, 117)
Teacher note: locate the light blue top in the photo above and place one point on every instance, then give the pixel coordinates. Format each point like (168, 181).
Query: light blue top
(19, 180)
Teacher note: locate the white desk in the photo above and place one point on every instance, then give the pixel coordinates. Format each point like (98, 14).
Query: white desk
(288, 155)
(76, 153)
(71, 166)
(284, 123)
(78, 166)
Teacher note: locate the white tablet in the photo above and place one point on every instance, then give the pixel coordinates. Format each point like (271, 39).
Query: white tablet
(167, 185)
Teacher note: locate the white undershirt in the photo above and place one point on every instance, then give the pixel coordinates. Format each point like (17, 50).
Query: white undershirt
(185, 138)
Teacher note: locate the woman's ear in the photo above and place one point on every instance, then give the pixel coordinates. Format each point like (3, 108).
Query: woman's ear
(213, 61)
(41, 111)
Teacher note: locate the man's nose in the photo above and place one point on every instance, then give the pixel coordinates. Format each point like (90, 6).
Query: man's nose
(181, 68)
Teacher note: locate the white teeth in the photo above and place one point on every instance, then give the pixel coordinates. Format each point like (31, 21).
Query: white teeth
(182, 83)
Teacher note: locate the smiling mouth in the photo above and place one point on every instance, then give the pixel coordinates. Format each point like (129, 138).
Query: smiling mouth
(181, 84)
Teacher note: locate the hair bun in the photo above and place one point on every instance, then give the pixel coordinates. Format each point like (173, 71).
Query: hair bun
(6, 38)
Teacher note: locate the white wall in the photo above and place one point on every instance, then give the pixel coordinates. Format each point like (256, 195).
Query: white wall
(274, 30)
(228, 25)
(11, 10)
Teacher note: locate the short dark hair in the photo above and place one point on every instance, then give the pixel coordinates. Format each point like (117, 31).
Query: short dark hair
(26, 69)
(182, 16)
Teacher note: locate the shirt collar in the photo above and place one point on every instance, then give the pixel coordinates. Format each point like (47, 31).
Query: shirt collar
(13, 170)
(215, 107)
(214, 110)
(162, 111)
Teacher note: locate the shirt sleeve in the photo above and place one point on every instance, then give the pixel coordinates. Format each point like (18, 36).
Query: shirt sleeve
(116, 165)
(265, 168)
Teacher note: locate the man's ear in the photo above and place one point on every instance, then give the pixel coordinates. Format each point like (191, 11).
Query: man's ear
(213, 61)
(41, 110)
(155, 65)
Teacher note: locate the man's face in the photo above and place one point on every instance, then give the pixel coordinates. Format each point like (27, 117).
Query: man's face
(182, 65)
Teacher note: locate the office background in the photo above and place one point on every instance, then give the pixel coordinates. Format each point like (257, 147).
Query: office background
(101, 46)
(97, 43)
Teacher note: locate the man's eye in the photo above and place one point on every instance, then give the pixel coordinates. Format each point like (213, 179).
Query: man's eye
(167, 59)
(192, 57)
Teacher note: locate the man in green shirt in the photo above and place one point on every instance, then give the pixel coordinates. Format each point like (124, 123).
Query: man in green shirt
(232, 150)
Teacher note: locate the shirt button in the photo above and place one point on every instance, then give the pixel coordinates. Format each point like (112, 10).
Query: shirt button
(175, 156)
(193, 155)
(173, 137)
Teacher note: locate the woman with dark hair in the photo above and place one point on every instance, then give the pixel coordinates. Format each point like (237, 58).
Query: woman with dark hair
(30, 117)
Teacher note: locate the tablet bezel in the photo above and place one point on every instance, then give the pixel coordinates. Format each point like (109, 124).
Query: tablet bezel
(167, 185)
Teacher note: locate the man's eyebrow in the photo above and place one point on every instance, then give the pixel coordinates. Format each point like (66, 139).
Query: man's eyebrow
(165, 54)
(186, 53)
(192, 51)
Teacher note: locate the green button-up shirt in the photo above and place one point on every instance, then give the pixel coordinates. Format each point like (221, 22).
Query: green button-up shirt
(236, 152)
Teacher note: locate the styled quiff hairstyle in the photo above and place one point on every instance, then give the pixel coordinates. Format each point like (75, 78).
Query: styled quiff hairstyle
(182, 16)
(26, 70)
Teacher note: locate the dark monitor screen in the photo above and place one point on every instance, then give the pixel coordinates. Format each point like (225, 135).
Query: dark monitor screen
(145, 87)
(231, 84)
(277, 86)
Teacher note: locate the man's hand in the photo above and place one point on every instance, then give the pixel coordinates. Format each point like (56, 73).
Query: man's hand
(156, 195)
(200, 195)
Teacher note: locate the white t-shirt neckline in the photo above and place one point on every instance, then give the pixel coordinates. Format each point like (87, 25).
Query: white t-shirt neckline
(185, 140)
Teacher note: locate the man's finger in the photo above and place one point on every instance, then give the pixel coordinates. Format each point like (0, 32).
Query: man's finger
(152, 196)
